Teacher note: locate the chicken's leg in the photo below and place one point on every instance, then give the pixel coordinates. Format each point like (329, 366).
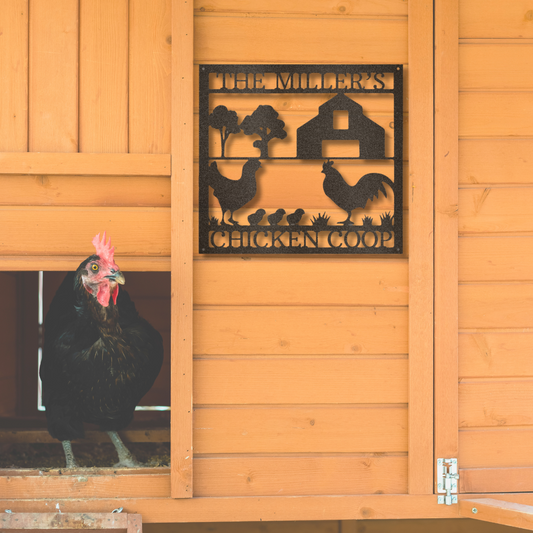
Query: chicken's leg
(126, 459)
(348, 220)
(69, 456)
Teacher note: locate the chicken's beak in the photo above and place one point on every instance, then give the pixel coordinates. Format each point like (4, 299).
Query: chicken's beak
(117, 277)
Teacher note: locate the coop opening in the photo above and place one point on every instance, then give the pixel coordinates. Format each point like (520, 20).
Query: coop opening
(25, 442)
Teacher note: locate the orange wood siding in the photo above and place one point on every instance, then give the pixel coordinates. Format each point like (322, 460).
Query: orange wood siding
(496, 228)
(290, 353)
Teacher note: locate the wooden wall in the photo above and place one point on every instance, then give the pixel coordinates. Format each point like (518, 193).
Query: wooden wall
(300, 364)
(496, 239)
(85, 129)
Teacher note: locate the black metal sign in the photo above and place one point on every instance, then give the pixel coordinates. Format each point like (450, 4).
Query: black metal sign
(291, 161)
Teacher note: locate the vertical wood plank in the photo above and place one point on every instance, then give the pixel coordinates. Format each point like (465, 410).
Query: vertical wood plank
(149, 75)
(182, 248)
(53, 101)
(14, 76)
(103, 76)
(446, 227)
(420, 20)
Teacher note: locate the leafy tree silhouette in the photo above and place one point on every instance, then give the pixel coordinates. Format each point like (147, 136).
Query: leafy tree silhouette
(222, 118)
(264, 122)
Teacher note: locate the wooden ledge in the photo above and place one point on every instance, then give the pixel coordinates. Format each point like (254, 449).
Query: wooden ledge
(36, 521)
(498, 512)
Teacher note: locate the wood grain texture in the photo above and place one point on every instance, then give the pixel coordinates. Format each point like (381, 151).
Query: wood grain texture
(182, 248)
(497, 66)
(14, 76)
(143, 231)
(85, 164)
(299, 40)
(495, 402)
(308, 429)
(311, 7)
(511, 114)
(103, 98)
(149, 76)
(292, 476)
(258, 509)
(318, 526)
(306, 330)
(485, 210)
(299, 381)
(503, 480)
(496, 161)
(502, 447)
(494, 354)
(495, 258)
(446, 227)
(492, 19)
(495, 305)
(499, 512)
(53, 119)
(421, 63)
(300, 282)
(118, 191)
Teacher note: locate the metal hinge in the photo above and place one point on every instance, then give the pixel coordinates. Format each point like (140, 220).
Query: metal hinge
(447, 477)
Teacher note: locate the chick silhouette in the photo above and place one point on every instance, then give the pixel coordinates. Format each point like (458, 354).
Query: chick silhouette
(295, 217)
(275, 218)
(256, 217)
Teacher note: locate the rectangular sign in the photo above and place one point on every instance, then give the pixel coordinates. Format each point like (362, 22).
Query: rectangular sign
(301, 159)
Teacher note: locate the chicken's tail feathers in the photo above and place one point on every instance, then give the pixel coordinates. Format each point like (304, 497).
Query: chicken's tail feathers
(371, 185)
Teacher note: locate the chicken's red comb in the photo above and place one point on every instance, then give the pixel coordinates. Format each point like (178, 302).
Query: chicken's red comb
(105, 251)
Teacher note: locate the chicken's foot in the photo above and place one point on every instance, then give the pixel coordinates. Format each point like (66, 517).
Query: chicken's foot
(126, 459)
(69, 455)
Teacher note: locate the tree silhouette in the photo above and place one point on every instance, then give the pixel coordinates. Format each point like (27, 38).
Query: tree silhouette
(221, 118)
(264, 122)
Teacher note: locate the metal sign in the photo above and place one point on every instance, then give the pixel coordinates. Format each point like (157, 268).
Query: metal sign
(301, 159)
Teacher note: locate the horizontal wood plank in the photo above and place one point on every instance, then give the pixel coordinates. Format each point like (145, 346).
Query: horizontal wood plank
(485, 210)
(104, 191)
(311, 7)
(229, 40)
(479, 480)
(299, 380)
(292, 476)
(495, 305)
(511, 114)
(496, 402)
(495, 20)
(300, 430)
(58, 231)
(53, 263)
(496, 161)
(257, 509)
(493, 354)
(292, 330)
(300, 282)
(85, 164)
(495, 258)
(496, 447)
(498, 512)
(496, 66)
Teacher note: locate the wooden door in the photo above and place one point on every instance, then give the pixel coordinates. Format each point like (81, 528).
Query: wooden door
(483, 368)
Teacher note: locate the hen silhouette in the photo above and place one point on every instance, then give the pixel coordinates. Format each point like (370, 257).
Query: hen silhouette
(350, 197)
(234, 194)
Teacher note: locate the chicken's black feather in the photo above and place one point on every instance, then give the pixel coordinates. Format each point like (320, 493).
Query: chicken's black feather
(98, 362)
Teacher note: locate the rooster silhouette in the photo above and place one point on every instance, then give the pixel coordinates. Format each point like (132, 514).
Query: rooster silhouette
(234, 194)
(350, 197)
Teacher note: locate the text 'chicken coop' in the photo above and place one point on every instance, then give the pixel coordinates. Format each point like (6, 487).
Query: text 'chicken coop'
(301, 159)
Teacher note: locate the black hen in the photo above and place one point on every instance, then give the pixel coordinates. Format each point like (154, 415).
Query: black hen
(99, 357)
(350, 197)
(234, 194)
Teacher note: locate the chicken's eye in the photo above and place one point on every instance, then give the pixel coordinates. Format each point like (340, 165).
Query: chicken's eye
(94, 267)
